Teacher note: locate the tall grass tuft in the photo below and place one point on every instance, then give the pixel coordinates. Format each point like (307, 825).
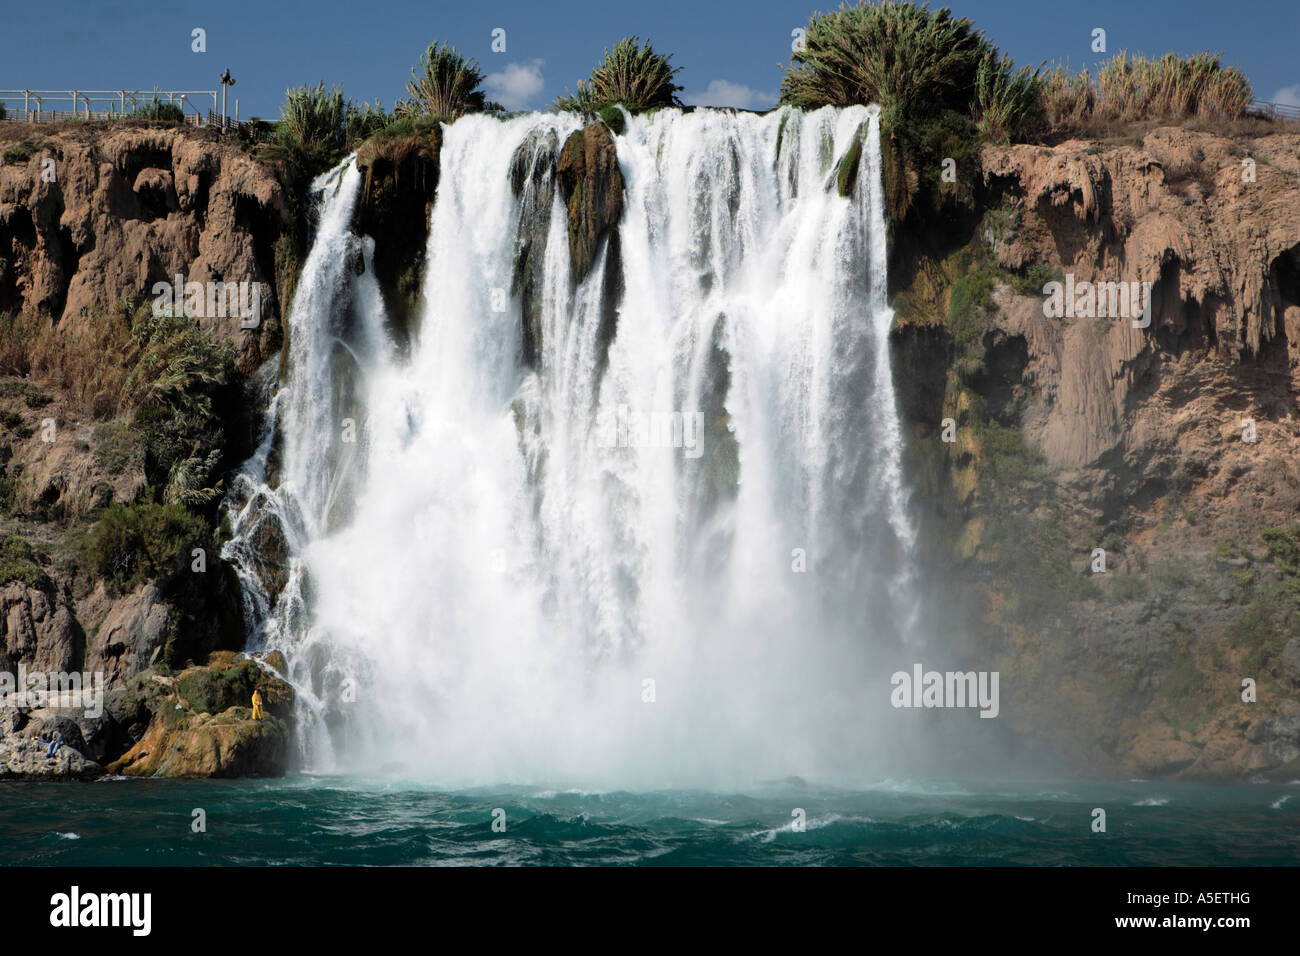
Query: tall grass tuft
(312, 117)
(318, 126)
(1068, 98)
(1007, 103)
(1132, 87)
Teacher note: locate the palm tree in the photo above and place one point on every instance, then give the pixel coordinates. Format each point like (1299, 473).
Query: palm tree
(909, 59)
(631, 74)
(446, 85)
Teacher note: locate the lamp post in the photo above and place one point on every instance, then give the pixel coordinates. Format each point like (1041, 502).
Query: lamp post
(226, 80)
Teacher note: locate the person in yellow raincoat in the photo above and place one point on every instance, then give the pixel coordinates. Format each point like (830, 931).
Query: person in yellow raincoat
(257, 705)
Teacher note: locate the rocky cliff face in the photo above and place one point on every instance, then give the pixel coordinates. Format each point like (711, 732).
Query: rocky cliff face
(1221, 254)
(401, 180)
(1172, 448)
(91, 218)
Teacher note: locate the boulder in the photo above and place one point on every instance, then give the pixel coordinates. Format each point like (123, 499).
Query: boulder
(231, 744)
(22, 757)
(200, 723)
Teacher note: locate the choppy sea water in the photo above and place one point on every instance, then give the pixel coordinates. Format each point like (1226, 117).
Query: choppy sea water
(353, 822)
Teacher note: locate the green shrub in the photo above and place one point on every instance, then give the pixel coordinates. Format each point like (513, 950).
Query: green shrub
(612, 117)
(318, 126)
(1005, 456)
(632, 74)
(142, 541)
(1128, 587)
(1226, 548)
(8, 488)
(910, 60)
(311, 117)
(32, 395)
(1284, 547)
(362, 122)
(214, 690)
(18, 563)
(1263, 630)
(971, 307)
(972, 292)
(1034, 277)
(158, 110)
(1172, 576)
(1008, 103)
(418, 124)
(20, 153)
(173, 388)
(1001, 224)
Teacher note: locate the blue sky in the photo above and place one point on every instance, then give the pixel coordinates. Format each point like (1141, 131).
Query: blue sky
(729, 50)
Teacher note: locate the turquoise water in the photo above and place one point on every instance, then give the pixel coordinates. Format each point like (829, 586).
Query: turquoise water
(345, 821)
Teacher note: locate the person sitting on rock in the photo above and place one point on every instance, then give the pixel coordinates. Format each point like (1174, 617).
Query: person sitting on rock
(56, 741)
(257, 704)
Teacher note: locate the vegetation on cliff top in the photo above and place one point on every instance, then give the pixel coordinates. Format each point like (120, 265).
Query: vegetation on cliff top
(317, 127)
(632, 75)
(446, 85)
(944, 89)
(1134, 87)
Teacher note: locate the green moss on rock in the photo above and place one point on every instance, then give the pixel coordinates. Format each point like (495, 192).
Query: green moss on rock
(846, 174)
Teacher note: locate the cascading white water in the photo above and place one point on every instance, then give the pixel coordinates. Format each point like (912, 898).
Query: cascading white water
(503, 577)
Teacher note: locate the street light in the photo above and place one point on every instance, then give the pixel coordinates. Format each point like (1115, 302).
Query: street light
(226, 80)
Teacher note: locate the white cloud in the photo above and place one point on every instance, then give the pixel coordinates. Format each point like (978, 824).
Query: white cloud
(1288, 95)
(516, 85)
(737, 95)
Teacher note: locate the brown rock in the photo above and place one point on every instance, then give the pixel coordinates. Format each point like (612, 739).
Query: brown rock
(230, 744)
(132, 634)
(1221, 255)
(39, 629)
(592, 187)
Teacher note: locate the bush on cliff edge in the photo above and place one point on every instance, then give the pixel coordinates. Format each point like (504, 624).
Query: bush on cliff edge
(631, 75)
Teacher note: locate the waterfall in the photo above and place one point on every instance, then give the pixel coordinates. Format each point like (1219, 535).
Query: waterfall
(673, 555)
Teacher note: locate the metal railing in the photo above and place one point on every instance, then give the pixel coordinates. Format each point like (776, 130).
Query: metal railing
(1275, 111)
(101, 104)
